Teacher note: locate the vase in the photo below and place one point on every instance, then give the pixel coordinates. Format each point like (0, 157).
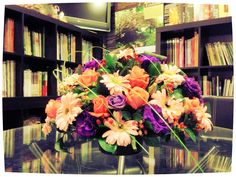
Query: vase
(125, 150)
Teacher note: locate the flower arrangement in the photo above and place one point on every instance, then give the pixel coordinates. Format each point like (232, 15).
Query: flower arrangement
(126, 96)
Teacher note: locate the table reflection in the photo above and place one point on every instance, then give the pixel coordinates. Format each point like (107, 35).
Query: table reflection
(26, 149)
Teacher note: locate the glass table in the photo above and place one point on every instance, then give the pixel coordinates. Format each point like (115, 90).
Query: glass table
(27, 150)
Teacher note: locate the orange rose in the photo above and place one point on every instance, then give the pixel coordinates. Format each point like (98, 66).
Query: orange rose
(100, 107)
(191, 105)
(88, 77)
(138, 77)
(137, 97)
(51, 108)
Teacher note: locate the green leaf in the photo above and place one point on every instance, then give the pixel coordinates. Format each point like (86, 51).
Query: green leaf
(161, 57)
(154, 69)
(191, 134)
(148, 125)
(178, 93)
(126, 115)
(78, 90)
(107, 147)
(104, 69)
(137, 116)
(92, 93)
(110, 61)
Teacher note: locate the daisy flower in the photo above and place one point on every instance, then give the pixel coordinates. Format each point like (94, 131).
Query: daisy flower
(204, 118)
(126, 53)
(115, 83)
(171, 108)
(68, 110)
(68, 84)
(120, 130)
(170, 74)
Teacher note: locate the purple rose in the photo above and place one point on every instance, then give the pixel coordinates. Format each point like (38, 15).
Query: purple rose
(90, 65)
(158, 125)
(146, 61)
(86, 125)
(116, 102)
(149, 58)
(191, 89)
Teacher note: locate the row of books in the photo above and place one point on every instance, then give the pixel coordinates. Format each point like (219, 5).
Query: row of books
(35, 83)
(34, 42)
(66, 47)
(60, 76)
(181, 158)
(9, 78)
(31, 166)
(9, 143)
(175, 13)
(216, 86)
(219, 53)
(9, 35)
(87, 51)
(183, 52)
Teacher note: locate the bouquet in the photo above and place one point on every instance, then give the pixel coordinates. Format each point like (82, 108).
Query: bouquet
(127, 96)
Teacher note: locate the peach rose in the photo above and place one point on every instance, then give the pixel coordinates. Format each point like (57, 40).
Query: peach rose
(88, 77)
(138, 77)
(51, 108)
(100, 105)
(191, 105)
(137, 97)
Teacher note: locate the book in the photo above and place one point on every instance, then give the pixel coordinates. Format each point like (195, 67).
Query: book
(223, 10)
(44, 83)
(34, 42)
(27, 82)
(9, 33)
(177, 13)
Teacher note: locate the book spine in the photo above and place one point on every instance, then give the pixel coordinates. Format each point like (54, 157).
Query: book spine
(4, 73)
(44, 84)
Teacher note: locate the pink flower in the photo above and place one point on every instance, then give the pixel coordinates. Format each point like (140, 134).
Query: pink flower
(170, 74)
(203, 118)
(120, 130)
(171, 108)
(115, 83)
(126, 53)
(51, 108)
(69, 109)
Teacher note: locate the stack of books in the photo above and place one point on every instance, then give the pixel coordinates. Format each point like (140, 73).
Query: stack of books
(216, 86)
(183, 52)
(9, 78)
(66, 47)
(175, 13)
(219, 53)
(34, 42)
(9, 35)
(35, 83)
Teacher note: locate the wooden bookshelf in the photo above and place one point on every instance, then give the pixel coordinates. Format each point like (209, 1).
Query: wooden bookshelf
(209, 31)
(18, 108)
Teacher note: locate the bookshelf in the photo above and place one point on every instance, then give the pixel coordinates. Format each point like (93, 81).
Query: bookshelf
(35, 48)
(208, 31)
